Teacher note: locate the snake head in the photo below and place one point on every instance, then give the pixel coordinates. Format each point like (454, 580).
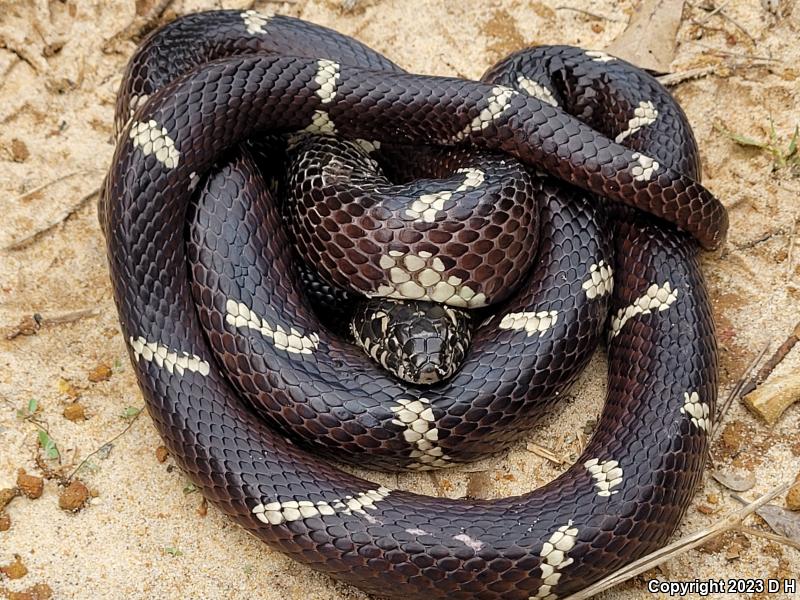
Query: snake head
(419, 342)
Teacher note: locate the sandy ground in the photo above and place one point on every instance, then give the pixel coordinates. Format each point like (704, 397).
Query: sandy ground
(142, 535)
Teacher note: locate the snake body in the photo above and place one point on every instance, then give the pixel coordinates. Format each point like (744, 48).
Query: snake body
(231, 338)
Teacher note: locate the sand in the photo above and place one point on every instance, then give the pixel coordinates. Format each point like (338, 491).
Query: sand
(142, 536)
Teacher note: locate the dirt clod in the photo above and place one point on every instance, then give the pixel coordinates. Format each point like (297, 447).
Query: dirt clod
(74, 496)
(30, 485)
(40, 591)
(15, 569)
(74, 412)
(162, 454)
(7, 495)
(101, 372)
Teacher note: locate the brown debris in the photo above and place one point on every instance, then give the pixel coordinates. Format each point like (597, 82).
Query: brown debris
(101, 372)
(649, 38)
(66, 387)
(5, 522)
(7, 495)
(30, 485)
(730, 542)
(74, 496)
(74, 412)
(162, 454)
(19, 151)
(771, 399)
(793, 495)
(202, 509)
(774, 360)
(16, 569)
(28, 325)
(480, 486)
(40, 591)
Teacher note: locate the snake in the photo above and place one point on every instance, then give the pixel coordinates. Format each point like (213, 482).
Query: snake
(252, 394)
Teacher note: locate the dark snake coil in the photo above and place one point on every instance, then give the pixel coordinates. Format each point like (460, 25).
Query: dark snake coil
(217, 79)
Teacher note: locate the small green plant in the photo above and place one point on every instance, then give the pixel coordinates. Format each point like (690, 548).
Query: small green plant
(781, 158)
(28, 410)
(190, 488)
(131, 413)
(48, 445)
(173, 551)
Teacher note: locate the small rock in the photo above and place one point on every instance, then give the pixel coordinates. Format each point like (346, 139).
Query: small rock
(5, 522)
(101, 372)
(162, 454)
(74, 412)
(30, 485)
(15, 570)
(74, 496)
(706, 510)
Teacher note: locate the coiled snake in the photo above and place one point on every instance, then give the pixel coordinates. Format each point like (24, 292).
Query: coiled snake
(251, 344)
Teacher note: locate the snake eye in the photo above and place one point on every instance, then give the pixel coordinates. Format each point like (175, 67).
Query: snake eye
(419, 342)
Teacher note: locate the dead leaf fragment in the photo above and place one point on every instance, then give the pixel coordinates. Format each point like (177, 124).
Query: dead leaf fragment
(649, 39)
(783, 522)
(101, 372)
(738, 482)
(67, 388)
(5, 522)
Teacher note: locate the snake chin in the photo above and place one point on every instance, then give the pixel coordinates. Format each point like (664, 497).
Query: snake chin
(422, 343)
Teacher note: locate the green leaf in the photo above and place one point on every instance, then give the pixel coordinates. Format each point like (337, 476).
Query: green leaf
(131, 412)
(173, 551)
(190, 488)
(48, 445)
(33, 404)
(743, 140)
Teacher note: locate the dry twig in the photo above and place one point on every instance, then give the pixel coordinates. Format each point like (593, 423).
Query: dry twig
(592, 15)
(62, 216)
(682, 545)
(29, 325)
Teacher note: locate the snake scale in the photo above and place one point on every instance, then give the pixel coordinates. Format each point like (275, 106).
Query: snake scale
(247, 387)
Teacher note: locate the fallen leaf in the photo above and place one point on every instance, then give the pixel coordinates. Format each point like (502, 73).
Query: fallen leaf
(738, 482)
(649, 39)
(782, 521)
